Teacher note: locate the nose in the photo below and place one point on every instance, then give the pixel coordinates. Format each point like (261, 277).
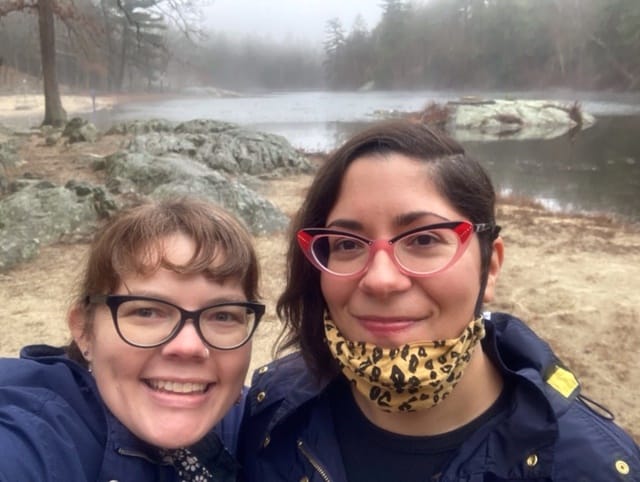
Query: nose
(383, 277)
(187, 343)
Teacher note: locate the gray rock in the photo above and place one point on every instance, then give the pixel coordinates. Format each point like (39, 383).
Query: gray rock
(141, 127)
(80, 130)
(53, 138)
(40, 213)
(222, 146)
(512, 119)
(8, 159)
(8, 154)
(161, 176)
(218, 161)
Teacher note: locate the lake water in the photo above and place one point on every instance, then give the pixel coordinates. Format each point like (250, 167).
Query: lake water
(597, 170)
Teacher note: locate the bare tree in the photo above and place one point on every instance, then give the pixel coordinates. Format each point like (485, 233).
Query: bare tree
(54, 112)
(144, 18)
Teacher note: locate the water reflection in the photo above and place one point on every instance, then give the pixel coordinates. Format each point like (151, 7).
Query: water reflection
(598, 170)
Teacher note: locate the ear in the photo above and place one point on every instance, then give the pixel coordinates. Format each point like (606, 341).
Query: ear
(497, 256)
(77, 321)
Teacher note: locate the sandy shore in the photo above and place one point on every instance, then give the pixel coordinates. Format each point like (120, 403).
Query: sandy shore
(29, 105)
(25, 110)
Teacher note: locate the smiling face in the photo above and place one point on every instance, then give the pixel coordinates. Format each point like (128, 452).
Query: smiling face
(172, 395)
(381, 197)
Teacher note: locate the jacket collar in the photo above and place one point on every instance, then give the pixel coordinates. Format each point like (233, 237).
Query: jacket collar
(520, 441)
(123, 450)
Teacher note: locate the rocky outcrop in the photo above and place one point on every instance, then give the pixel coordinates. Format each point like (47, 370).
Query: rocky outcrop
(38, 212)
(220, 146)
(514, 119)
(171, 174)
(476, 119)
(218, 161)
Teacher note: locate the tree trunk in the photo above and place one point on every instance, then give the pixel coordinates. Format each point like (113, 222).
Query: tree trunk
(54, 114)
(123, 56)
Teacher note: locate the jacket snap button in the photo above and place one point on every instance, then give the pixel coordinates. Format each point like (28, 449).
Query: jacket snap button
(304, 479)
(261, 396)
(532, 460)
(263, 369)
(622, 467)
(266, 441)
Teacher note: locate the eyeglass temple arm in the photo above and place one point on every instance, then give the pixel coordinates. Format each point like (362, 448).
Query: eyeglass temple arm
(481, 227)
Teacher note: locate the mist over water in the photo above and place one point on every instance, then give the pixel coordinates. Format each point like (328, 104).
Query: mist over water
(597, 170)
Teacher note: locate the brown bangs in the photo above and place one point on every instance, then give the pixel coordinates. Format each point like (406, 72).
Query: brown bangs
(133, 242)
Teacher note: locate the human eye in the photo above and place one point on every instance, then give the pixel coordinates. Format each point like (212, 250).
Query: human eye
(345, 244)
(225, 315)
(423, 239)
(145, 310)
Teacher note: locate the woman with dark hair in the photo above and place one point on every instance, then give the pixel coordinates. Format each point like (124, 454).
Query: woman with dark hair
(150, 388)
(399, 374)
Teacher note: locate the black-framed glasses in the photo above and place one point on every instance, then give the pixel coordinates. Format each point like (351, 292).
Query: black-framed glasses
(146, 322)
(421, 252)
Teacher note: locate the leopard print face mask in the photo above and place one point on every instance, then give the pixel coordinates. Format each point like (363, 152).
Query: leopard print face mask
(405, 379)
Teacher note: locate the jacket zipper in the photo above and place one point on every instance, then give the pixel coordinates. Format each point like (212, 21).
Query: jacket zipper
(316, 465)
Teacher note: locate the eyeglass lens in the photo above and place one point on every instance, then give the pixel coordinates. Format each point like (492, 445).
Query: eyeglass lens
(418, 252)
(150, 322)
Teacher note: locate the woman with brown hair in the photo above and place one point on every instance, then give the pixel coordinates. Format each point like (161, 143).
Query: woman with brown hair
(151, 386)
(399, 375)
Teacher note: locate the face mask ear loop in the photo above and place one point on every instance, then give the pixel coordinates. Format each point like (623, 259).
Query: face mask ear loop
(477, 311)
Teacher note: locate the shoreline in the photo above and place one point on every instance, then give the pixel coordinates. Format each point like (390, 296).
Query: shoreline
(19, 111)
(598, 218)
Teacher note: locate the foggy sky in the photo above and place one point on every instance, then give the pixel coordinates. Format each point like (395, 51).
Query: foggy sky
(287, 20)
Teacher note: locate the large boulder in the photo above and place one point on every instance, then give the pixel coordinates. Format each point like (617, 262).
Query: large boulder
(214, 160)
(476, 120)
(38, 213)
(222, 146)
(160, 176)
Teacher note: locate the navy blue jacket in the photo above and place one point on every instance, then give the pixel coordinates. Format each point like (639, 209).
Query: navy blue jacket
(55, 427)
(549, 433)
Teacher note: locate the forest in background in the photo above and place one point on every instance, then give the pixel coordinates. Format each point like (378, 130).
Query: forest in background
(151, 45)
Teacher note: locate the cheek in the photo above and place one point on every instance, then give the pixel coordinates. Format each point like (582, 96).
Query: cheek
(232, 366)
(458, 287)
(336, 291)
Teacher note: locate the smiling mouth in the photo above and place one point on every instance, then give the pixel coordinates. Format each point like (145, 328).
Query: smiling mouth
(178, 387)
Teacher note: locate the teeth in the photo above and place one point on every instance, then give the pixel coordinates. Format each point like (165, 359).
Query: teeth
(177, 387)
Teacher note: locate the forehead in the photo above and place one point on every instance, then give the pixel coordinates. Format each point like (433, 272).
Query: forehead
(390, 189)
(177, 251)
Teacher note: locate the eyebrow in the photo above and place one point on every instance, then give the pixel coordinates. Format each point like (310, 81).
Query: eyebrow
(209, 302)
(401, 220)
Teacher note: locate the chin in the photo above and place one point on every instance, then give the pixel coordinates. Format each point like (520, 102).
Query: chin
(183, 436)
(176, 442)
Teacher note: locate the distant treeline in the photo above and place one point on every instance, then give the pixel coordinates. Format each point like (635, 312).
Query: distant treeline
(589, 44)
(514, 44)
